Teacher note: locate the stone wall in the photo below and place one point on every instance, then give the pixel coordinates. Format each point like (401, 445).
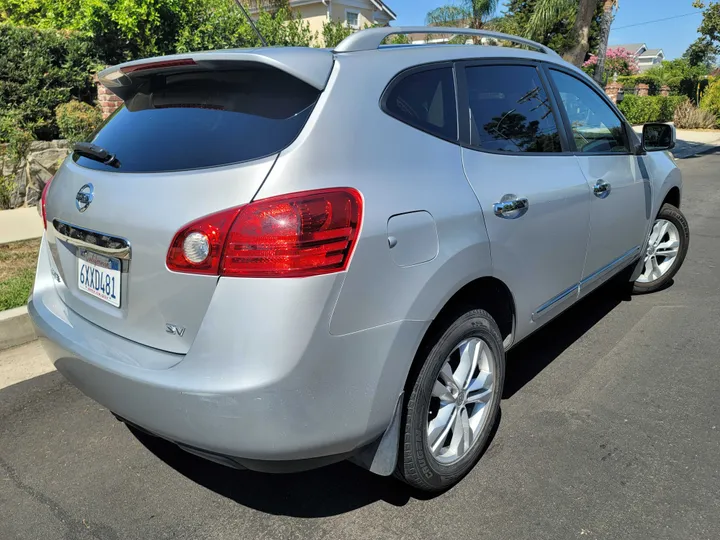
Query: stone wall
(27, 178)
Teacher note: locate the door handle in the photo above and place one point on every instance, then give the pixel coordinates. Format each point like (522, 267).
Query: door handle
(511, 207)
(601, 189)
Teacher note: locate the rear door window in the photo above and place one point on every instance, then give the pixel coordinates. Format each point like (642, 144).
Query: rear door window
(425, 100)
(201, 119)
(510, 110)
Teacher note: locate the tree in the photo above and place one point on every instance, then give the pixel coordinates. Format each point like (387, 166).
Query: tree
(547, 12)
(474, 13)
(702, 52)
(605, 24)
(127, 29)
(557, 34)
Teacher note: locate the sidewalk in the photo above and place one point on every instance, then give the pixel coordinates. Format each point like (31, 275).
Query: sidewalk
(20, 224)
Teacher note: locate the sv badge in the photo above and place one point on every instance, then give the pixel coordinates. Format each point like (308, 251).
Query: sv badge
(175, 330)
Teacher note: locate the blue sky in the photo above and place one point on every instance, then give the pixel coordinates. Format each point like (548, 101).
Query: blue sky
(673, 36)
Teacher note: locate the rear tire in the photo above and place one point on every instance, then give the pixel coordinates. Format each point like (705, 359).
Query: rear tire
(667, 247)
(462, 374)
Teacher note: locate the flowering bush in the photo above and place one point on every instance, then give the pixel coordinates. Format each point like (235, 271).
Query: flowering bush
(618, 60)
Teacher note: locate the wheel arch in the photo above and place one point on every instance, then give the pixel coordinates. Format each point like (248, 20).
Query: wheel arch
(488, 293)
(672, 197)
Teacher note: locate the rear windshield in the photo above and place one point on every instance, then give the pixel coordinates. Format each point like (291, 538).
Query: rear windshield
(201, 119)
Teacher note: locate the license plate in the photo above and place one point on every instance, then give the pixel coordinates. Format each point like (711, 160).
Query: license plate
(99, 276)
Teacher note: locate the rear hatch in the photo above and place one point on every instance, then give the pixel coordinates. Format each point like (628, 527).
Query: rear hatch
(197, 134)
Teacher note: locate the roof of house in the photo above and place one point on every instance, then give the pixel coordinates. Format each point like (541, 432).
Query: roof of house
(652, 52)
(632, 47)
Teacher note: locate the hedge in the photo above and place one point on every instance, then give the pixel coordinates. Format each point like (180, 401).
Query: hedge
(39, 70)
(644, 109)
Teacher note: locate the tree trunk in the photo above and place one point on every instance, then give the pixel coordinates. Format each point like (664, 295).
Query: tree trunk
(605, 24)
(581, 31)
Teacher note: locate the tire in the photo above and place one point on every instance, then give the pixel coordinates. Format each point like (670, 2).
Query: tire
(647, 282)
(417, 464)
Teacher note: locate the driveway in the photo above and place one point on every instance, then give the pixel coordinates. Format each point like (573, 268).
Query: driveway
(610, 429)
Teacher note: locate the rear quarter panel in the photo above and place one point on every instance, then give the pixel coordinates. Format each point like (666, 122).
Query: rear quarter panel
(350, 141)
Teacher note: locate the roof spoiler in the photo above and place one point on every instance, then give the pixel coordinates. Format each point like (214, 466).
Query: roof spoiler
(312, 66)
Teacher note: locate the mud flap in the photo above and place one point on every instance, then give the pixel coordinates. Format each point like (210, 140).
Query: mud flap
(380, 457)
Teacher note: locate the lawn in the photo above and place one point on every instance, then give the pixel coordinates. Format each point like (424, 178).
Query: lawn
(17, 272)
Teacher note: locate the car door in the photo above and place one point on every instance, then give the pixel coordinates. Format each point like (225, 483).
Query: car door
(533, 195)
(618, 218)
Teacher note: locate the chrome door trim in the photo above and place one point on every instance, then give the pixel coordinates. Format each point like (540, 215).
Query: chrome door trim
(555, 301)
(559, 299)
(111, 246)
(625, 258)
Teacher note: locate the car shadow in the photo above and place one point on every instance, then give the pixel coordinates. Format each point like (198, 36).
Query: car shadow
(343, 487)
(531, 356)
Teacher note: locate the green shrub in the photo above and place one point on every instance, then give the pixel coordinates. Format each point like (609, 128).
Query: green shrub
(334, 33)
(77, 120)
(688, 116)
(644, 109)
(710, 100)
(40, 69)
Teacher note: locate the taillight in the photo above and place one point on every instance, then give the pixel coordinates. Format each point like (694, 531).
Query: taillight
(43, 200)
(301, 234)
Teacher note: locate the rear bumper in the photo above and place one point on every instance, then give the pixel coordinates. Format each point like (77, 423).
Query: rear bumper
(309, 395)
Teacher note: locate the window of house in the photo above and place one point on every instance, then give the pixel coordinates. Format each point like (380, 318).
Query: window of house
(425, 100)
(595, 126)
(510, 111)
(352, 18)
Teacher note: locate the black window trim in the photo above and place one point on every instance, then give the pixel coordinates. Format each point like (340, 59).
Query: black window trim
(629, 133)
(402, 75)
(464, 119)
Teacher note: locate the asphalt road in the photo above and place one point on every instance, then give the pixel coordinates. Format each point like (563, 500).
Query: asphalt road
(610, 428)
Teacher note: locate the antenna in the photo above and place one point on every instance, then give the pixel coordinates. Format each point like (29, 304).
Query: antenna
(259, 35)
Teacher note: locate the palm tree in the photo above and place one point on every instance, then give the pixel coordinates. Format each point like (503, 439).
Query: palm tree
(605, 23)
(476, 12)
(547, 12)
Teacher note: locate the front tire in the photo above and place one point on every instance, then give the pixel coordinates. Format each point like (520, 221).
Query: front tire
(454, 403)
(667, 247)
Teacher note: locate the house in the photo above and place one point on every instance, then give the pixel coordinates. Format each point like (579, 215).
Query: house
(646, 58)
(354, 13)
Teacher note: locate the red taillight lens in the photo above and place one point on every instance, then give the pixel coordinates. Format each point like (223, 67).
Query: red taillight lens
(43, 200)
(215, 227)
(301, 234)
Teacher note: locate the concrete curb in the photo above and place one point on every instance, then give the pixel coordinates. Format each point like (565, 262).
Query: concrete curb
(15, 328)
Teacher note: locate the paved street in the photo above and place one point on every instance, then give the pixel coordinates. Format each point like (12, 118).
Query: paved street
(610, 429)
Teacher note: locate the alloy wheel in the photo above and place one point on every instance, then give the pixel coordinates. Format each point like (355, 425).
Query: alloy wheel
(459, 400)
(662, 251)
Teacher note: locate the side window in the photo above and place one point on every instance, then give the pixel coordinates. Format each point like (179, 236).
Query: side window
(595, 126)
(425, 100)
(510, 111)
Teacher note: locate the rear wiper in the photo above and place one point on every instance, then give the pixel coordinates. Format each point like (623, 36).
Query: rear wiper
(96, 153)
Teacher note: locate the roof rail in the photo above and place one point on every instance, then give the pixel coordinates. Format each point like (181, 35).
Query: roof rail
(372, 38)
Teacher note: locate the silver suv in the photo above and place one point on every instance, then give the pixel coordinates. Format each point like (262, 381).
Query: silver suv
(280, 258)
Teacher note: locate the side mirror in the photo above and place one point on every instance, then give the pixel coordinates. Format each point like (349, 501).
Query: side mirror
(656, 137)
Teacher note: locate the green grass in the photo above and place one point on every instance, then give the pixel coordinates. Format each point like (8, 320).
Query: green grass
(17, 272)
(14, 291)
